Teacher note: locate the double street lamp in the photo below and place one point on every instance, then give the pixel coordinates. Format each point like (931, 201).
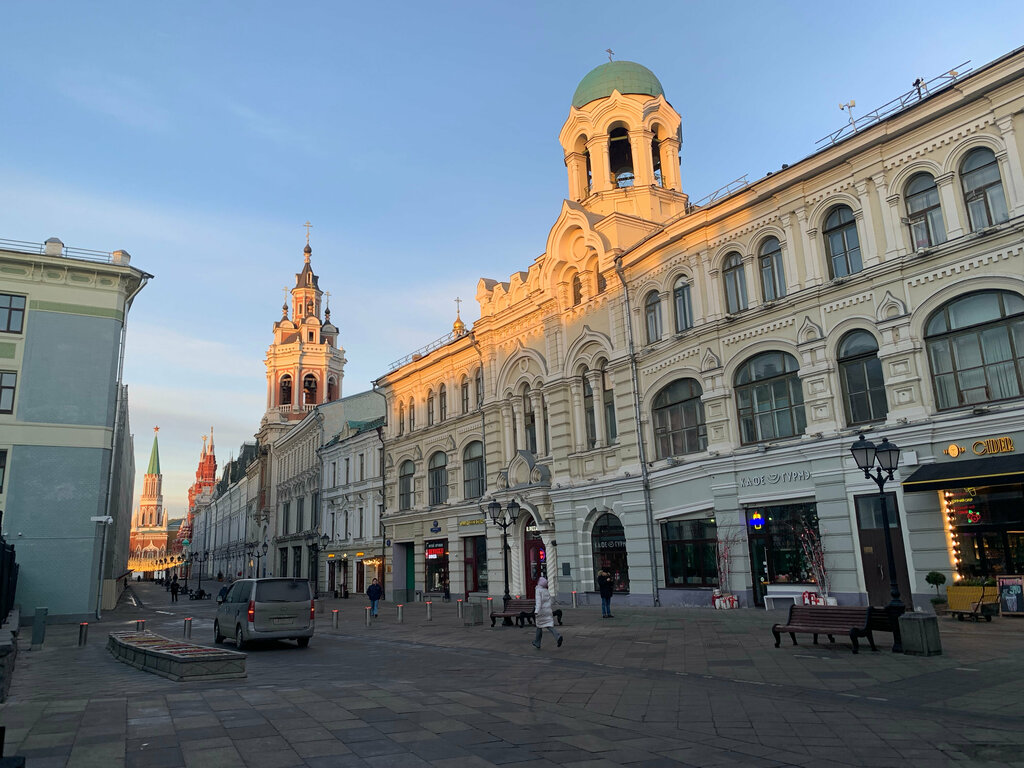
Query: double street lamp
(504, 519)
(316, 546)
(883, 458)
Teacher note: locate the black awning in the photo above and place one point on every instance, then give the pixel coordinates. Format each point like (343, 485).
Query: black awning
(998, 470)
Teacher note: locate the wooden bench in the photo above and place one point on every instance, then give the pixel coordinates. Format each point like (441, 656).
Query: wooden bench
(522, 612)
(831, 620)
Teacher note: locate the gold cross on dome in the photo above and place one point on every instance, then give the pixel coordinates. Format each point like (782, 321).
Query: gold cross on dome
(328, 295)
(308, 226)
(458, 305)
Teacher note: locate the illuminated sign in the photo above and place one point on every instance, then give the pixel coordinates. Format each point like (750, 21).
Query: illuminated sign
(360, 554)
(330, 556)
(985, 447)
(435, 552)
(756, 521)
(774, 478)
(481, 521)
(542, 555)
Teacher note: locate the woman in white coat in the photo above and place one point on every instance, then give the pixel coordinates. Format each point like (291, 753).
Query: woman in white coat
(542, 614)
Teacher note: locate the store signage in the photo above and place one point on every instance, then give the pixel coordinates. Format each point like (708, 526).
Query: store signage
(433, 553)
(360, 554)
(610, 544)
(435, 528)
(387, 542)
(480, 521)
(774, 478)
(756, 521)
(985, 447)
(532, 529)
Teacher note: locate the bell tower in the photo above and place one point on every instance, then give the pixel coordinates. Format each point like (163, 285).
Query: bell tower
(621, 144)
(305, 364)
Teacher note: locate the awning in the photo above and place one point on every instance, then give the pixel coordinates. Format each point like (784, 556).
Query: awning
(998, 470)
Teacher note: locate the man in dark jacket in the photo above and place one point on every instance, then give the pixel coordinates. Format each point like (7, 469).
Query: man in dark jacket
(175, 586)
(606, 587)
(376, 594)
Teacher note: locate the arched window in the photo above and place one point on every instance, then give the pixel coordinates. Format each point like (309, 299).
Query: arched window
(602, 283)
(841, 243)
(442, 402)
(430, 407)
(332, 389)
(529, 421)
(464, 395)
(405, 491)
(652, 316)
(769, 398)
(656, 161)
(309, 389)
(589, 419)
(679, 425)
(923, 212)
(983, 189)
(735, 283)
(608, 400)
(609, 547)
(860, 374)
(412, 414)
(577, 290)
(401, 418)
(473, 470)
(682, 305)
(976, 349)
(437, 478)
(620, 157)
(286, 390)
(769, 263)
(479, 387)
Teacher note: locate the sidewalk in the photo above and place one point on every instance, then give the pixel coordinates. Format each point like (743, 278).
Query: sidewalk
(650, 687)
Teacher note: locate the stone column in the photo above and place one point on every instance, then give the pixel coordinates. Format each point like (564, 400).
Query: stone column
(812, 257)
(890, 218)
(753, 280)
(599, 163)
(898, 244)
(577, 165)
(1011, 168)
(579, 437)
(789, 262)
(670, 164)
(537, 402)
(948, 200)
(520, 417)
(596, 381)
(868, 238)
(506, 428)
(643, 162)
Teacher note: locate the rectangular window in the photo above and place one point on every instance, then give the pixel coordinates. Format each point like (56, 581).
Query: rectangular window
(284, 561)
(315, 510)
(334, 473)
(360, 522)
(347, 474)
(300, 515)
(475, 548)
(297, 562)
(3, 469)
(362, 466)
(689, 548)
(286, 518)
(8, 383)
(12, 313)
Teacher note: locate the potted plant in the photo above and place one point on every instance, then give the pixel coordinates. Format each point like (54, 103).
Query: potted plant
(814, 554)
(937, 579)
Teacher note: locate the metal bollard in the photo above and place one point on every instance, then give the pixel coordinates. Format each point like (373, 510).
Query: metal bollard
(575, 603)
(367, 611)
(430, 605)
(401, 613)
(490, 605)
(334, 618)
(83, 633)
(459, 607)
(188, 628)
(140, 625)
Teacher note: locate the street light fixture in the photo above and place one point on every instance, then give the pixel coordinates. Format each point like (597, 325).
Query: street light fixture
(201, 559)
(884, 459)
(504, 519)
(265, 547)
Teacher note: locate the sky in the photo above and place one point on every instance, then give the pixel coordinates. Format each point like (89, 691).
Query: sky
(420, 139)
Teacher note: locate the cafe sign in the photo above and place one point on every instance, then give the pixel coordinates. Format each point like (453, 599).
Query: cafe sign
(985, 447)
(774, 478)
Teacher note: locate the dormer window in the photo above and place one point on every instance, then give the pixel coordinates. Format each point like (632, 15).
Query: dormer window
(310, 335)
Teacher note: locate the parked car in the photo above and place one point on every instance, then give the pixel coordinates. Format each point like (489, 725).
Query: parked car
(266, 609)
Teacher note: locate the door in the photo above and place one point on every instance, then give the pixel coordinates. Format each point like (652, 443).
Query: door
(758, 566)
(536, 563)
(410, 571)
(331, 576)
(873, 556)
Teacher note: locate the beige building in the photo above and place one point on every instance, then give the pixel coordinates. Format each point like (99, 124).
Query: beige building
(671, 380)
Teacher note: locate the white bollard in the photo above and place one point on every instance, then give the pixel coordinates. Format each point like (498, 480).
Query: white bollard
(401, 613)
(459, 607)
(575, 603)
(367, 611)
(334, 618)
(140, 625)
(430, 605)
(188, 628)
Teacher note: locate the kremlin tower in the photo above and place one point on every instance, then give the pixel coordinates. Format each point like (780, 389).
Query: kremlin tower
(149, 538)
(200, 493)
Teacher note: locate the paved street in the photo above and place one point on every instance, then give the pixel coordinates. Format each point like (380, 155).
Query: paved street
(665, 687)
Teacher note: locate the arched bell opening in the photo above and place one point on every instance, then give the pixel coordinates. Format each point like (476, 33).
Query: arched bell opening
(620, 158)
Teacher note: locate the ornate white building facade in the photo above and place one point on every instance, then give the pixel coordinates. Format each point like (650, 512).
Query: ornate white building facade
(668, 378)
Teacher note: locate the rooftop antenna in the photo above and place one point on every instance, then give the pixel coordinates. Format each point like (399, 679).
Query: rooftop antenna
(308, 227)
(848, 106)
(610, 53)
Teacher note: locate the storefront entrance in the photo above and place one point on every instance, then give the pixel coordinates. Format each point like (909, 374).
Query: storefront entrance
(536, 561)
(873, 556)
(776, 555)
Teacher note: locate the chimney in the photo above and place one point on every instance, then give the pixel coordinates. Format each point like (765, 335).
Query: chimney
(121, 257)
(53, 247)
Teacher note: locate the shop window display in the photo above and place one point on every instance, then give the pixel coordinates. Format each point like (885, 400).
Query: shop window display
(609, 547)
(436, 570)
(775, 552)
(987, 529)
(689, 550)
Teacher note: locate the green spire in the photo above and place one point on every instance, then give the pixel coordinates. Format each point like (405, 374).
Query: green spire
(154, 457)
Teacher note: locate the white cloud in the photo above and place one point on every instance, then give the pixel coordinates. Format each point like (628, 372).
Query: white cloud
(116, 95)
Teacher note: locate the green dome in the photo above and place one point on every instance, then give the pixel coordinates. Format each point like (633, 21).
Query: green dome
(621, 76)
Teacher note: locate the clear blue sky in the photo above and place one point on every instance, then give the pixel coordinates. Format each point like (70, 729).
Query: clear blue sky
(421, 139)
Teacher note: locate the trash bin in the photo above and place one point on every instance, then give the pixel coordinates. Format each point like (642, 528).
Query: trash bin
(920, 632)
(472, 614)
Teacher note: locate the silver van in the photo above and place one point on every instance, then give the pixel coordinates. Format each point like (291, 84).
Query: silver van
(266, 609)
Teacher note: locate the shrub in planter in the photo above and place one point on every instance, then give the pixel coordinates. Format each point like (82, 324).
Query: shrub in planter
(936, 579)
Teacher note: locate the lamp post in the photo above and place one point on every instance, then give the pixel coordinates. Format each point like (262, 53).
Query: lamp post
(250, 550)
(265, 547)
(504, 519)
(201, 559)
(187, 568)
(883, 458)
(317, 544)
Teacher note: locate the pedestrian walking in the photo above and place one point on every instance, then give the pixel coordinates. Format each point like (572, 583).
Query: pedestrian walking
(175, 586)
(376, 593)
(606, 587)
(542, 615)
